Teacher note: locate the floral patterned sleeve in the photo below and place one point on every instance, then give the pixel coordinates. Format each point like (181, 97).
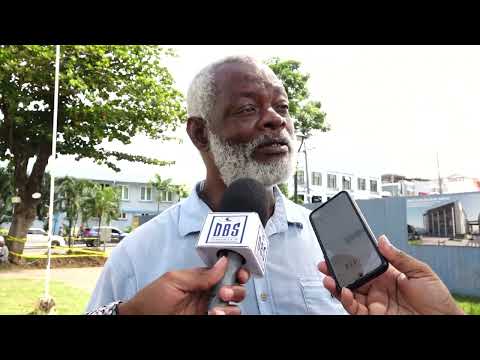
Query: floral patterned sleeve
(110, 309)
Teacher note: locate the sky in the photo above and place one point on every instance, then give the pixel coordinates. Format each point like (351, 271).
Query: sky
(391, 109)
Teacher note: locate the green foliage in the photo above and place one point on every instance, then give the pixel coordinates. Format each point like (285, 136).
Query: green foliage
(469, 304)
(128, 229)
(298, 201)
(180, 190)
(103, 204)
(284, 189)
(307, 113)
(71, 195)
(106, 92)
(163, 186)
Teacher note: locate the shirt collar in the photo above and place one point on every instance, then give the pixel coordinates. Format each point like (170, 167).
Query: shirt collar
(193, 212)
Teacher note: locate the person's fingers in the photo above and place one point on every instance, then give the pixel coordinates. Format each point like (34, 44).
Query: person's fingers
(400, 260)
(351, 304)
(225, 310)
(322, 266)
(330, 285)
(199, 279)
(243, 275)
(232, 293)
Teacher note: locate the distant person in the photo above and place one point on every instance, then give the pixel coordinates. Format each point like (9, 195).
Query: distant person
(3, 251)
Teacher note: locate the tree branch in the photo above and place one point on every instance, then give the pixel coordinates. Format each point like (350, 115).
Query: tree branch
(38, 170)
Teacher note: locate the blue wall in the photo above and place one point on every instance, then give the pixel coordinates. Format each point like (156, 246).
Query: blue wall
(457, 266)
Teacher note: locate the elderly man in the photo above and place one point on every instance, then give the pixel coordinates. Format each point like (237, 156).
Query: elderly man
(239, 122)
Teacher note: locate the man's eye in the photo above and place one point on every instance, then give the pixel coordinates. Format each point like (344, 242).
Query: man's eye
(246, 110)
(282, 109)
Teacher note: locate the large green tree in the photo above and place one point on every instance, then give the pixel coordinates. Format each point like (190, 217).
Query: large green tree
(308, 113)
(106, 93)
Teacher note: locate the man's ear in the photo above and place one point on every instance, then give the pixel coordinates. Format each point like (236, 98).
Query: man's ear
(198, 133)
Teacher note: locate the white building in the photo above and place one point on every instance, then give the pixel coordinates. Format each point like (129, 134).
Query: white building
(449, 185)
(331, 170)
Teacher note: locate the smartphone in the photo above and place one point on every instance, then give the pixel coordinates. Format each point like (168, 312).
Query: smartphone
(348, 244)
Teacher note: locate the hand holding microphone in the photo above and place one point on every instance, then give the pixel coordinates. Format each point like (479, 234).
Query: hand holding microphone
(232, 243)
(186, 292)
(237, 232)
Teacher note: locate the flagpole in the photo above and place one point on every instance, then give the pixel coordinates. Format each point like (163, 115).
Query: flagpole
(52, 170)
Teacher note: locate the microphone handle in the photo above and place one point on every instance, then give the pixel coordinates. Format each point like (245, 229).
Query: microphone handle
(235, 261)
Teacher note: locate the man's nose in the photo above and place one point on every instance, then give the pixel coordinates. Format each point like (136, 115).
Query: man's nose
(272, 120)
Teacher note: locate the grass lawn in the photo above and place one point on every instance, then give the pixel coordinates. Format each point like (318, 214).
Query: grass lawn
(19, 296)
(470, 305)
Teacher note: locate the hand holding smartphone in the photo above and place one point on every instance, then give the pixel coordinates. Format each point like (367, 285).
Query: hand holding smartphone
(347, 242)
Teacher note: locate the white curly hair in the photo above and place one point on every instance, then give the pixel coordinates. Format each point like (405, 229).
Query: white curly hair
(202, 90)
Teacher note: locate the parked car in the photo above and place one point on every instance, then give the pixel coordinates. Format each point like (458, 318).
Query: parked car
(38, 237)
(93, 236)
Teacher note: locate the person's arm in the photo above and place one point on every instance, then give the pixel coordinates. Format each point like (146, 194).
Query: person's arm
(181, 292)
(408, 287)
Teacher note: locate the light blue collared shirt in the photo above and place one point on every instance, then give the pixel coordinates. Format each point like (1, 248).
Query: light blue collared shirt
(292, 283)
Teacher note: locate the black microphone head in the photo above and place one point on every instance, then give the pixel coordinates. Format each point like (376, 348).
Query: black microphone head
(246, 195)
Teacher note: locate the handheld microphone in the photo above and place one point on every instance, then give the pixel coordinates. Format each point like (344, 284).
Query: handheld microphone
(236, 231)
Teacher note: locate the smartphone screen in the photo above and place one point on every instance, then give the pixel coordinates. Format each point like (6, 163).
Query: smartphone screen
(348, 244)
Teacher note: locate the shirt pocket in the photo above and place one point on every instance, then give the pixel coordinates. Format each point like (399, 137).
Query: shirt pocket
(318, 300)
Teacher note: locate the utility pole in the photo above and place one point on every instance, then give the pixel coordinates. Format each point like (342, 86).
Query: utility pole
(306, 171)
(439, 178)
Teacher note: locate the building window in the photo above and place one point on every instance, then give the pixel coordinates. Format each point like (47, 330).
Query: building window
(361, 184)
(146, 193)
(166, 196)
(123, 216)
(373, 186)
(346, 182)
(331, 181)
(124, 192)
(300, 177)
(316, 178)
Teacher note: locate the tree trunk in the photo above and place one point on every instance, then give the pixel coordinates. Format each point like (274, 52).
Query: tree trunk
(70, 224)
(25, 212)
(23, 217)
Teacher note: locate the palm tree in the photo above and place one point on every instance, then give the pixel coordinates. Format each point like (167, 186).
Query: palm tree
(103, 204)
(71, 192)
(180, 190)
(162, 186)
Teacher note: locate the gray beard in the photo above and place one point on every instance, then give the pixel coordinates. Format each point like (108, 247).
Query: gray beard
(234, 161)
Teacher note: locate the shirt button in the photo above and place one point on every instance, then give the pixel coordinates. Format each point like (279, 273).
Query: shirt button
(263, 296)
